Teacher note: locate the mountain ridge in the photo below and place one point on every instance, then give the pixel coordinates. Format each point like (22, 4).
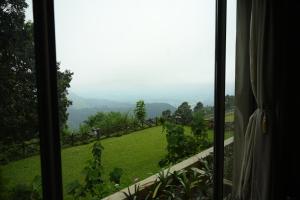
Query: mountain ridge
(82, 108)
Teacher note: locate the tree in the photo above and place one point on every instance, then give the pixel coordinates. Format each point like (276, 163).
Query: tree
(140, 112)
(179, 145)
(199, 130)
(166, 114)
(183, 114)
(198, 107)
(18, 102)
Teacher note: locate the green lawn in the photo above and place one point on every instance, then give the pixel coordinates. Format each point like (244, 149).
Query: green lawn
(229, 117)
(137, 154)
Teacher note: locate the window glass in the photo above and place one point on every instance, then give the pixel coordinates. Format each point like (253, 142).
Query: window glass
(140, 76)
(19, 136)
(229, 97)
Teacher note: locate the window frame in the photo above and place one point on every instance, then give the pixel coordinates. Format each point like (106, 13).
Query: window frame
(45, 52)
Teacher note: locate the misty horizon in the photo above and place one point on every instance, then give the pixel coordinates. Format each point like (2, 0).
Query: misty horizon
(159, 50)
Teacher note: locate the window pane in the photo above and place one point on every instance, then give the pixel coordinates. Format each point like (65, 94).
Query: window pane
(19, 137)
(142, 84)
(230, 97)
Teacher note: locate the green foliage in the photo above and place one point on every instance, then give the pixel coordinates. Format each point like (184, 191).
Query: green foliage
(93, 183)
(123, 152)
(108, 123)
(183, 114)
(166, 114)
(18, 102)
(191, 183)
(179, 145)
(36, 185)
(21, 191)
(66, 131)
(133, 195)
(199, 130)
(84, 129)
(115, 175)
(198, 107)
(31, 191)
(140, 112)
(176, 142)
(208, 111)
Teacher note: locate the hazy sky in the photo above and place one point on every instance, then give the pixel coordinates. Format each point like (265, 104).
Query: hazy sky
(157, 50)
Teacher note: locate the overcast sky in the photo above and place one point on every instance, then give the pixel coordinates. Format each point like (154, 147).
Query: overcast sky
(157, 50)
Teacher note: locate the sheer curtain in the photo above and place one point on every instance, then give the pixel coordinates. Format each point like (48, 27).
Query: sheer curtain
(254, 89)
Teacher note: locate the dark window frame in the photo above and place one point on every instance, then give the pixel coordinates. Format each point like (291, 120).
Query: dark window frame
(45, 51)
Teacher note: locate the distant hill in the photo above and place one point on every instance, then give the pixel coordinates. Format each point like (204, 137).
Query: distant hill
(82, 108)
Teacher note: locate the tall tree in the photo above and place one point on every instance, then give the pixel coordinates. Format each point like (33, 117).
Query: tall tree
(166, 114)
(199, 129)
(183, 114)
(140, 112)
(18, 102)
(198, 107)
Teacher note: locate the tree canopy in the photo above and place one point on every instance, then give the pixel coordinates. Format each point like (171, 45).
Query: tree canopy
(18, 102)
(183, 114)
(198, 107)
(140, 111)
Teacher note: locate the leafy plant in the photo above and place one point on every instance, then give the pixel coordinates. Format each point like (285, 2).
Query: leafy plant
(36, 185)
(187, 184)
(133, 195)
(179, 145)
(115, 175)
(140, 112)
(199, 130)
(31, 191)
(93, 183)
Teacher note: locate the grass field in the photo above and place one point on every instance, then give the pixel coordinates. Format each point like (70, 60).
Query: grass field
(229, 117)
(137, 154)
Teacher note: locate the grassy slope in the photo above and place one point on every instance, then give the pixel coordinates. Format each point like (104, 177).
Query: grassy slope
(137, 153)
(229, 117)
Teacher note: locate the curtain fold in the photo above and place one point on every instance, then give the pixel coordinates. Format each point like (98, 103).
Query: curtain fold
(255, 166)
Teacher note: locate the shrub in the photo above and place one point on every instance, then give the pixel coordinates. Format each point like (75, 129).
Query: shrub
(179, 145)
(27, 192)
(115, 175)
(199, 130)
(93, 183)
(192, 183)
(109, 123)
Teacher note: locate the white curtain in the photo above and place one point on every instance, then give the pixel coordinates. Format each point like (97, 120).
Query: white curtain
(255, 57)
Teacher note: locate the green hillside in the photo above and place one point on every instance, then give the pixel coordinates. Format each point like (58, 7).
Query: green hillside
(137, 153)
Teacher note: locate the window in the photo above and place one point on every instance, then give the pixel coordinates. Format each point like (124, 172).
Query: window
(49, 103)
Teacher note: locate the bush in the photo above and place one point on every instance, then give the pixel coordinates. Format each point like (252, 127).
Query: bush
(115, 175)
(21, 191)
(93, 183)
(179, 145)
(192, 183)
(27, 192)
(109, 123)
